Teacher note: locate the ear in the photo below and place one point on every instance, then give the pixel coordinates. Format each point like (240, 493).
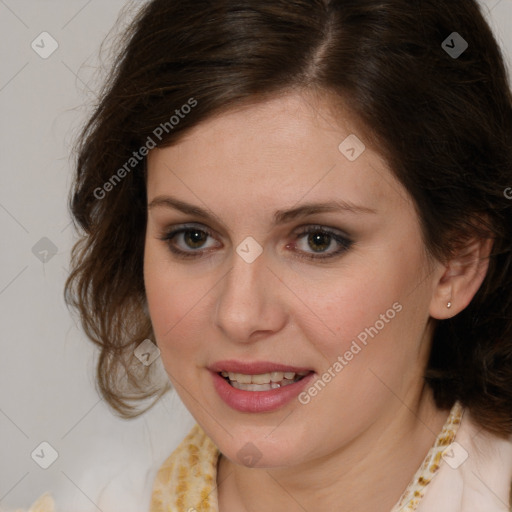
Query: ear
(460, 278)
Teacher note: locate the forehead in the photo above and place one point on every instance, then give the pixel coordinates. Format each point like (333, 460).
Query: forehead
(274, 153)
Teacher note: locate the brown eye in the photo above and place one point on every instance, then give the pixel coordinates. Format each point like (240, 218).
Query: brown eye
(196, 238)
(192, 241)
(319, 240)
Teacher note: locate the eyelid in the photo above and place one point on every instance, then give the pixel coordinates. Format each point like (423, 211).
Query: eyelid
(343, 240)
(171, 232)
(340, 237)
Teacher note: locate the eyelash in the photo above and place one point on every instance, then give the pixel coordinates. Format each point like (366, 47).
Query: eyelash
(344, 242)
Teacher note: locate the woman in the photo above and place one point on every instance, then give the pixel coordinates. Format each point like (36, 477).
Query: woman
(303, 205)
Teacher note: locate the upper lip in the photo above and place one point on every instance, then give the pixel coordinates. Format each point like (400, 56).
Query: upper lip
(254, 367)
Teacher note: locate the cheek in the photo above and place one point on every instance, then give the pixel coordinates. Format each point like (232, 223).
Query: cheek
(166, 293)
(178, 302)
(347, 313)
(169, 320)
(368, 305)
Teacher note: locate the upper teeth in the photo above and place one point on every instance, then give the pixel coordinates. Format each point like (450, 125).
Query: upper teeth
(262, 378)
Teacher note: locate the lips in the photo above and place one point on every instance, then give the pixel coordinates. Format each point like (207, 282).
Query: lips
(248, 397)
(255, 367)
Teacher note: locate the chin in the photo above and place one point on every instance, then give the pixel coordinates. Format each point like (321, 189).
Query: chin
(256, 451)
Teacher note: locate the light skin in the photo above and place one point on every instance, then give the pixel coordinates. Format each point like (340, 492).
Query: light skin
(357, 444)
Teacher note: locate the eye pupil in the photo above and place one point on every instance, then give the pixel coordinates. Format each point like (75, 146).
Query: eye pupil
(317, 238)
(197, 240)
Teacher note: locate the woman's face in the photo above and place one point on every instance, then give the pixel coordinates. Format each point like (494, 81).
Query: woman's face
(340, 293)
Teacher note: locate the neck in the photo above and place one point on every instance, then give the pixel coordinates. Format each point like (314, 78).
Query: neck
(370, 473)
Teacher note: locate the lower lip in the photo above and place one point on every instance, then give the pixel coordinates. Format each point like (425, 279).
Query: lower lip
(258, 401)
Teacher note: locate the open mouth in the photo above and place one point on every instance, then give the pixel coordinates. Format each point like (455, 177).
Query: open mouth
(263, 381)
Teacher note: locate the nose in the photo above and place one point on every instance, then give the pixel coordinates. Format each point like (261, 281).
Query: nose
(249, 303)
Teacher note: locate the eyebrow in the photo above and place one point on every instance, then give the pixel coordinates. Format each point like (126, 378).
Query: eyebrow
(280, 216)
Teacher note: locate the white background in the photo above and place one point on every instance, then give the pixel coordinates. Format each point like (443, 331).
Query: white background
(47, 366)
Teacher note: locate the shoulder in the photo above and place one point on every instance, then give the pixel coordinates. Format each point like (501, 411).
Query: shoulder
(475, 473)
(187, 478)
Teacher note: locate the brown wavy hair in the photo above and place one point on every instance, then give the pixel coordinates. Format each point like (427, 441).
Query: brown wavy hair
(443, 122)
